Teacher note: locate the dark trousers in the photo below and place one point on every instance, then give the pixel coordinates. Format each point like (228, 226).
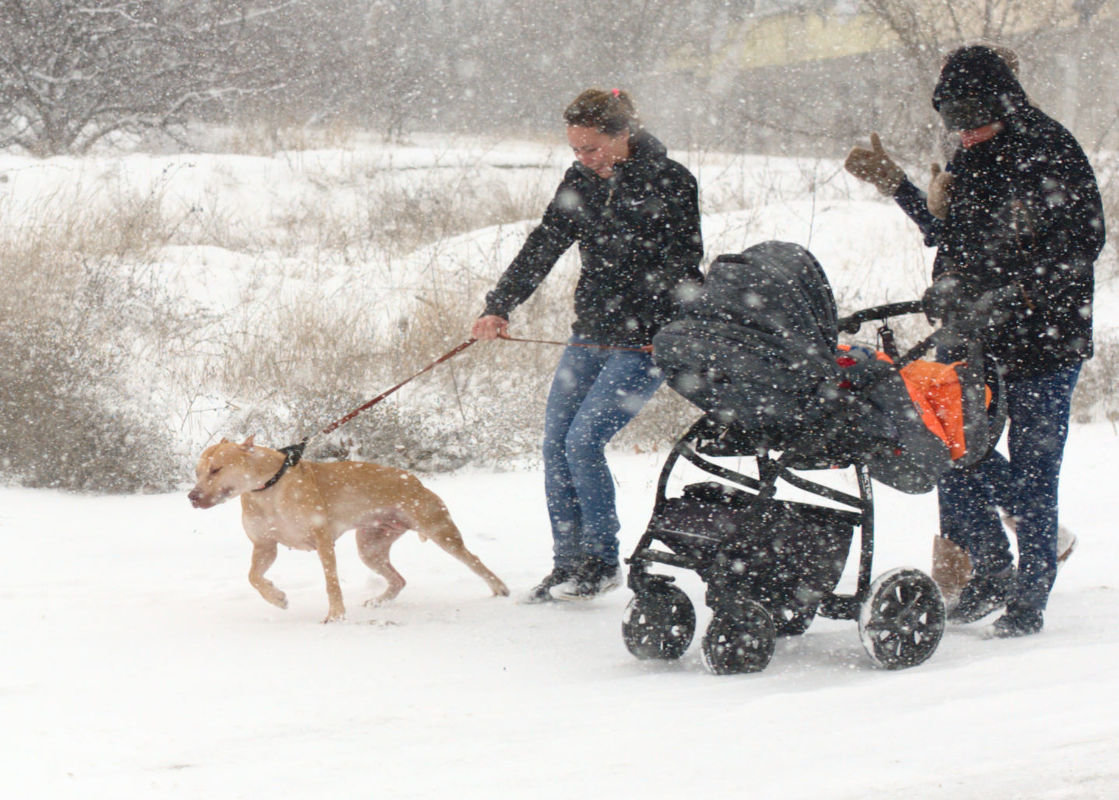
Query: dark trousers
(1023, 485)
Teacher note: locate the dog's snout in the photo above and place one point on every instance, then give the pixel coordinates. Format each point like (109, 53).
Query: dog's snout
(195, 497)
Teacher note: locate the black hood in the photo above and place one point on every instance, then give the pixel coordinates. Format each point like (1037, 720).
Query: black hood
(977, 87)
(643, 145)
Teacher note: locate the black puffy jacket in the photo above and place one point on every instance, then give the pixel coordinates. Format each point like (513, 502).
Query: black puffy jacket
(1026, 212)
(639, 242)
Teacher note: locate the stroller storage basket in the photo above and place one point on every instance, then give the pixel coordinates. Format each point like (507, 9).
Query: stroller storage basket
(783, 554)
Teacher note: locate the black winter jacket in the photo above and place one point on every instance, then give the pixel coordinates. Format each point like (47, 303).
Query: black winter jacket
(639, 244)
(915, 203)
(1026, 212)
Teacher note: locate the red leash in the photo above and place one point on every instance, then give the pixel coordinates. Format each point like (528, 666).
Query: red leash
(646, 349)
(448, 356)
(293, 453)
(445, 357)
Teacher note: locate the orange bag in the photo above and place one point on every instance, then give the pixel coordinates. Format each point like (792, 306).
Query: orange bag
(935, 388)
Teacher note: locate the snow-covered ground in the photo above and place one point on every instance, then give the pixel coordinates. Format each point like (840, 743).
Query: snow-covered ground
(138, 662)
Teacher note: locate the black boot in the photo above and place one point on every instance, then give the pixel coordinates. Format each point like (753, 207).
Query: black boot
(542, 592)
(982, 595)
(1018, 621)
(593, 577)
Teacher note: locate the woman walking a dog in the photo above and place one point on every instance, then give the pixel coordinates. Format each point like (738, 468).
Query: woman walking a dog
(635, 214)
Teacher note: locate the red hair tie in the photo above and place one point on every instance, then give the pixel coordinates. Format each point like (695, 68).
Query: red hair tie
(615, 92)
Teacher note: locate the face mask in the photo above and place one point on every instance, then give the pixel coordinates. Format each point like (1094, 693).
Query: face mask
(968, 113)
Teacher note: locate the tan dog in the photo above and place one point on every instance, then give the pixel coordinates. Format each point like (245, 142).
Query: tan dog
(312, 504)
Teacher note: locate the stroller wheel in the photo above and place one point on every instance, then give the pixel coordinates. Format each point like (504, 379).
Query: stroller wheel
(659, 622)
(739, 640)
(902, 620)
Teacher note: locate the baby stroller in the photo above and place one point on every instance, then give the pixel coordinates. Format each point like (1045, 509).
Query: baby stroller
(758, 352)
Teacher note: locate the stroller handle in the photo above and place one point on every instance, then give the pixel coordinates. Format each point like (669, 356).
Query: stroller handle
(852, 323)
(972, 315)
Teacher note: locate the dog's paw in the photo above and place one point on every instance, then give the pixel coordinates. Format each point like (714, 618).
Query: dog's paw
(334, 616)
(272, 595)
(379, 600)
(387, 596)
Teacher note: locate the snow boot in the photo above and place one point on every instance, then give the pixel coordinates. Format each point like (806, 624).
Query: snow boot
(1017, 621)
(542, 592)
(593, 577)
(982, 595)
(951, 569)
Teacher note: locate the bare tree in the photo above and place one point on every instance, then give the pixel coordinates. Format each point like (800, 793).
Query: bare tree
(74, 71)
(927, 31)
(405, 52)
(480, 63)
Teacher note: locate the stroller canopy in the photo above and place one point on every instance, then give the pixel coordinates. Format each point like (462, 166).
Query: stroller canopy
(754, 348)
(756, 351)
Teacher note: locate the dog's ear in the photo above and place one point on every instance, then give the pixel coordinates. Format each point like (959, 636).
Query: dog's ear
(248, 443)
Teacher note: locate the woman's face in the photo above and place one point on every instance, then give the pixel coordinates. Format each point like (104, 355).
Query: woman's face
(598, 151)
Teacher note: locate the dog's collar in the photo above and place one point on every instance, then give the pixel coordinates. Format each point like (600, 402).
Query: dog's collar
(292, 455)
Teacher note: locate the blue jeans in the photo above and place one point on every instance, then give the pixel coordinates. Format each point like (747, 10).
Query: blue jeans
(594, 394)
(1025, 486)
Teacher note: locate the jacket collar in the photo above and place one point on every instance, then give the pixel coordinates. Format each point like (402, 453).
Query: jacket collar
(645, 150)
(979, 135)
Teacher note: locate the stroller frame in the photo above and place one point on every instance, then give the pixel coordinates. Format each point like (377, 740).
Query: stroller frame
(901, 615)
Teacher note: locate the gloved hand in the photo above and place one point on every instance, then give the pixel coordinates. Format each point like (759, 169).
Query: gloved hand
(943, 298)
(940, 192)
(875, 167)
(998, 306)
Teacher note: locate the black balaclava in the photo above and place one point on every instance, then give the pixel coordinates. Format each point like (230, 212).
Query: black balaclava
(976, 88)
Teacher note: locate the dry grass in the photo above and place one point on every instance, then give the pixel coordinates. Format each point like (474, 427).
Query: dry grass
(307, 364)
(102, 361)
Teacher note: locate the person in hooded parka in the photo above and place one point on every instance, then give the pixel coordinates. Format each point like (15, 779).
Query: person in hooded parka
(1024, 212)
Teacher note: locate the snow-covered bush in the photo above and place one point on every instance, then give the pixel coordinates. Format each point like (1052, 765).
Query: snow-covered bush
(66, 422)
